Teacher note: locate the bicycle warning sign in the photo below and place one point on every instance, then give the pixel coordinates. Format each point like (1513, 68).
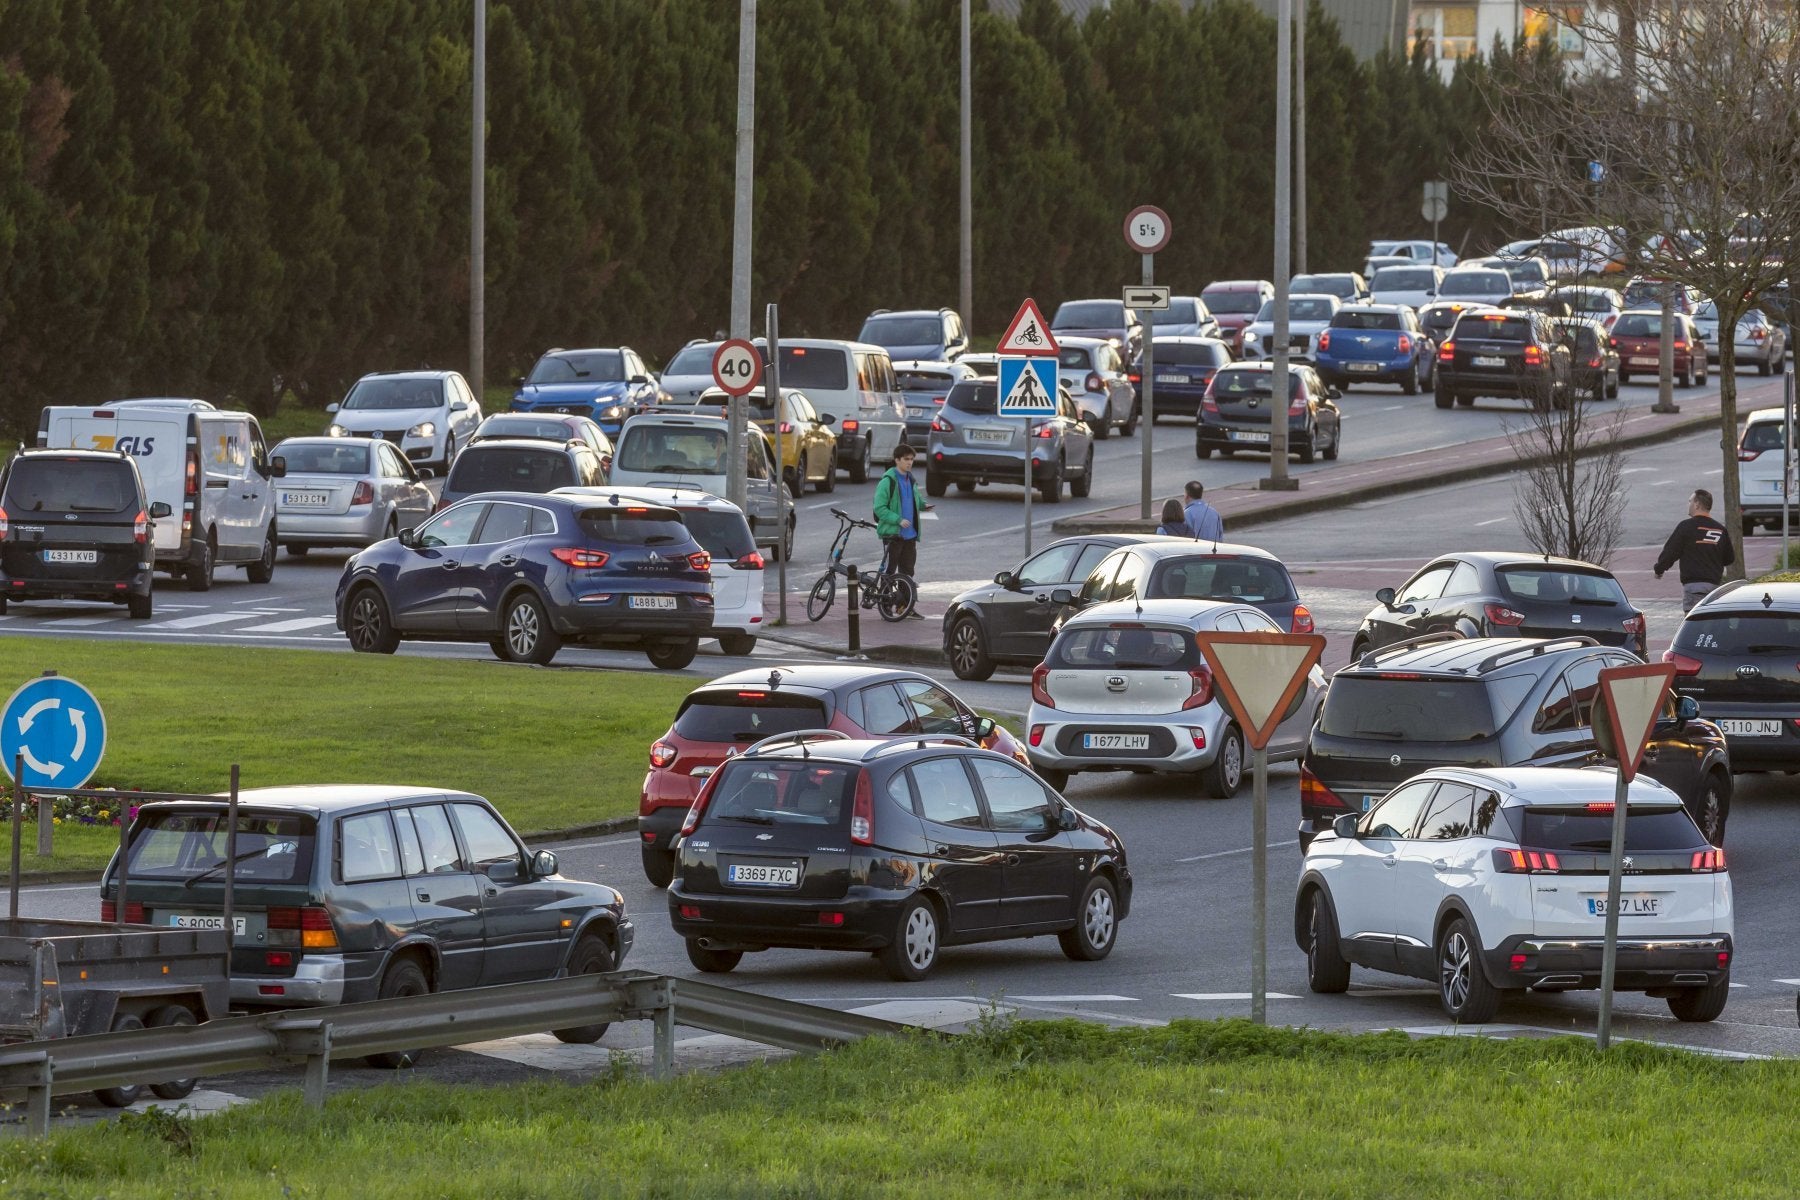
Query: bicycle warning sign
(1029, 333)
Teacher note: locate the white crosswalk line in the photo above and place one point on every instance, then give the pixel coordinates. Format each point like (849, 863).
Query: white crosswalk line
(202, 619)
(71, 622)
(1228, 995)
(288, 626)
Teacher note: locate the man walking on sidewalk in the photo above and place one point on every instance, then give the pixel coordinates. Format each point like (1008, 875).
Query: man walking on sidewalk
(1702, 546)
(1202, 517)
(897, 512)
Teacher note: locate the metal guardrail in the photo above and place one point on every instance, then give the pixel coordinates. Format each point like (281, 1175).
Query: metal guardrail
(35, 1071)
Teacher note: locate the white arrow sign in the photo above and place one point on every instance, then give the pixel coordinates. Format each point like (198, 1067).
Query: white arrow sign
(31, 714)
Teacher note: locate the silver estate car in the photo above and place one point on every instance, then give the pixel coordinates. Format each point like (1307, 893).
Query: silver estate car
(971, 443)
(1125, 688)
(347, 491)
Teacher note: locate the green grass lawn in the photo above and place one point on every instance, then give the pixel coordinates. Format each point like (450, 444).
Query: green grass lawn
(552, 749)
(1205, 1109)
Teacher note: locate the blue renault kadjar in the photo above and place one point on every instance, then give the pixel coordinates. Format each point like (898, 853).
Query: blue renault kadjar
(609, 385)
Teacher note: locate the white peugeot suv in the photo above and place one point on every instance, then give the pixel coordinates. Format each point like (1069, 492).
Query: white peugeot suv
(1482, 881)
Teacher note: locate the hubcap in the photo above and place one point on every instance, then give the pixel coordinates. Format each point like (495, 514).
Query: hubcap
(921, 938)
(1455, 971)
(1234, 761)
(366, 621)
(1099, 918)
(1709, 815)
(968, 645)
(522, 629)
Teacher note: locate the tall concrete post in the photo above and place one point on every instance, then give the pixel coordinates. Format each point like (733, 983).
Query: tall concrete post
(741, 229)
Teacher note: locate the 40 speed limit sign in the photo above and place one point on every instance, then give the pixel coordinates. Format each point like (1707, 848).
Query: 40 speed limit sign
(737, 367)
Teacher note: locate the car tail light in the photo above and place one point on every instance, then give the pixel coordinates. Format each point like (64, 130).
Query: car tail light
(1683, 664)
(580, 559)
(1593, 362)
(364, 493)
(1046, 431)
(191, 483)
(1680, 344)
(752, 561)
(134, 912)
(1093, 382)
(1758, 334)
(700, 560)
(862, 810)
(831, 918)
(1297, 405)
(1635, 625)
(1325, 339)
(440, 506)
(939, 425)
(140, 528)
(1198, 735)
(1613, 342)
(1534, 356)
(1039, 693)
(1514, 861)
(785, 427)
(278, 958)
(1207, 403)
(313, 924)
(1314, 793)
(1447, 352)
(1200, 688)
(1405, 344)
(1303, 622)
(662, 754)
(1748, 455)
(1499, 614)
(1600, 806)
(1037, 734)
(939, 399)
(1135, 377)
(1710, 859)
(698, 808)
(851, 425)
(691, 912)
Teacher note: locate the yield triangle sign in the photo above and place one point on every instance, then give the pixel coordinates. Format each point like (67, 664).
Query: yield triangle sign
(1029, 333)
(1631, 697)
(1259, 674)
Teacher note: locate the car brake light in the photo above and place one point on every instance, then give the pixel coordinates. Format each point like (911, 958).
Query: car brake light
(1046, 431)
(1314, 793)
(191, 485)
(1600, 806)
(1758, 334)
(364, 493)
(3, 523)
(1683, 664)
(1513, 861)
(787, 427)
(942, 426)
(1303, 622)
(1207, 403)
(313, 924)
(1499, 614)
(134, 912)
(1200, 688)
(1093, 382)
(1325, 339)
(1037, 735)
(752, 561)
(1039, 693)
(1710, 859)
(939, 399)
(662, 754)
(700, 561)
(851, 425)
(1613, 342)
(1748, 455)
(862, 810)
(1135, 377)
(1405, 344)
(1634, 625)
(1297, 405)
(698, 808)
(580, 559)
(1534, 356)
(140, 528)
(1680, 344)
(1593, 362)
(1447, 352)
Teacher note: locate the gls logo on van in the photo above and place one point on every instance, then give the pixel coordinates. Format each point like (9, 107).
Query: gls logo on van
(137, 447)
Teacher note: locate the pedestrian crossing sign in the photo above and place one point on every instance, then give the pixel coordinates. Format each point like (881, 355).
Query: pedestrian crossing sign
(1027, 387)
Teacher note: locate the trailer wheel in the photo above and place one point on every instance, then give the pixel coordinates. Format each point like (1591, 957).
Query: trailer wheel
(171, 1014)
(119, 1097)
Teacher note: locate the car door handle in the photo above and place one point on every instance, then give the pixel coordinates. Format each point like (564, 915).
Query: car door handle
(492, 891)
(940, 851)
(509, 560)
(1438, 864)
(450, 564)
(1388, 861)
(425, 896)
(1012, 860)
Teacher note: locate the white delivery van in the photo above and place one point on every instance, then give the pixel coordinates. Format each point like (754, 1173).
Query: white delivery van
(854, 382)
(211, 468)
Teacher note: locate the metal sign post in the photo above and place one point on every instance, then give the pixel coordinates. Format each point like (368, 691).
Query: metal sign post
(1435, 209)
(1147, 231)
(1787, 460)
(1026, 387)
(772, 384)
(1278, 479)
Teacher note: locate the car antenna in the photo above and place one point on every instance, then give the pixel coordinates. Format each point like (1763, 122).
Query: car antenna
(1767, 600)
(615, 499)
(774, 680)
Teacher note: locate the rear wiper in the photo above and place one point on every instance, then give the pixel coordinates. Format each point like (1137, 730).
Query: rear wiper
(1589, 600)
(1596, 844)
(749, 820)
(1395, 734)
(221, 865)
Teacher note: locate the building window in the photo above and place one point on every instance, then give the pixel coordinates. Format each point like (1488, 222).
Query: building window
(1444, 31)
(1561, 26)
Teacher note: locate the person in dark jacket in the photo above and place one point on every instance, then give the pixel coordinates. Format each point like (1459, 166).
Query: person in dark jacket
(1703, 548)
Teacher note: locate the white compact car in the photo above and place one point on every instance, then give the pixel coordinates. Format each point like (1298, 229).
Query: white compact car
(428, 414)
(1484, 881)
(1413, 286)
(1760, 470)
(1125, 688)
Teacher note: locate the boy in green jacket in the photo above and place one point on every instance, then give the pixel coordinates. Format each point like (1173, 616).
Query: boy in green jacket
(897, 510)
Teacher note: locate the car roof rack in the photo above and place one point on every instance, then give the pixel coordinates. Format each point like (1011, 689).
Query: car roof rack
(1371, 657)
(1504, 657)
(799, 737)
(918, 742)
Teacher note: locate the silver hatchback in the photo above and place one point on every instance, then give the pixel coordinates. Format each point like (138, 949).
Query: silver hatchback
(971, 443)
(348, 491)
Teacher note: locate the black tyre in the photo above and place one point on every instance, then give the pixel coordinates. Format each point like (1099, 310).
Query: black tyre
(263, 569)
(171, 1014)
(1765, 367)
(294, 551)
(591, 956)
(138, 606)
(1612, 389)
(526, 634)
(1686, 378)
(659, 866)
(969, 656)
(1202, 450)
(449, 451)
(1225, 775)
(913, 952)
(828, 482)
(1410, 384)
(1096, 925)
(392, 531)
(1049, 486)
(859, 470)
(1337, 437)
(672, 656)
(1712, 807)
(1442, 394)
(935, 485)
(1466, 401)
(738, 644)
(713, 962)
(1701, 1003)
(1326, 971)
(965, 487)
(368, 624)
(1056, 778)
(404, 978)
(1102, 426)
(1624, 377)
(119, 1097)
(1463, 988)
(199, 569)
(1358, 648)
(898, 599)
(1131, 421)
(1080, 487)
(1307, 450)
(819, 602)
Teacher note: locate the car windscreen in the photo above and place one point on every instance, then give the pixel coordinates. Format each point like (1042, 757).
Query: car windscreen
(1525, 271)
(980, 399)
(1131, 647)
(693, 360)
(69, 485)
(1073, 358)
(1740, 633)
(1365, 318)
(746, 715)
(389, 394)
(756, 404)
(1300, 308)
(765, 792)
(519, 427)
(1406, 279)
(1090, 314)
(1583, 337)
(488, 468)
(721, 533)
(806, 367)
(340, 456)
(1391, 708)
(1494, 327)
(1238, 303)
(1590, 300)
(1179, 312)
(601, 366)
(902, 331)
(681, 449)
(190, 844)
(1638, 325)
(1475, 283)
(1204, 577)
(1558, 585)
(1647, 830)
(634, 525)
(1759, 435)
(1331, 285)
(1187, 354)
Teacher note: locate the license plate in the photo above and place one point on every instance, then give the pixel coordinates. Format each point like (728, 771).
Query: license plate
(661, 603)
(1368, 802)
(918, 414)
(990, 435)
(195, 921)
(1489, 360)
(72, 556)
(1751, 728)
(1171, 379)
(1629, 906)
(1115, 741)
(305, 499)
(1644, 362)
(765, 876)
(1248, 435)
(1366, 368)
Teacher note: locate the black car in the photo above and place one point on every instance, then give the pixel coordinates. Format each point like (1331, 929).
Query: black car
(1108, 319)
(1234, 413)
(1185, 366)
(75, 525)
(899, 847)
(517, 464)
(1442, 700)
(1504, 352)
(1486, 594)
(1735, 653)
(350, 893)
(1439, 318)
(1594, 359)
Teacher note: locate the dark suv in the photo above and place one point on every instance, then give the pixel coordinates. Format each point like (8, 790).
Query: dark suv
(813, 840)
(1446, 701)
(1504, 352)
(75, 525)
(521, 464)
(1735, 652)
(348, 893)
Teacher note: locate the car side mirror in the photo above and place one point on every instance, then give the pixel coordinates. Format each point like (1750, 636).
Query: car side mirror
(159, 509)
(277, 467)
(1067, 819)
(638, 380)
(459, 406)
(331, 408)
(1007, 580)
(1345, 826)
(1331, 390)
(410, 538)
(1062, 596)
(1385, 597)
(503, 872)
(827, 419)
(984, 728)
(1687, 709)
(543, 864)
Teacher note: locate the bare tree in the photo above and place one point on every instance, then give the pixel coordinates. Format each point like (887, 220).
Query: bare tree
(1568, 493)
(1694, 116)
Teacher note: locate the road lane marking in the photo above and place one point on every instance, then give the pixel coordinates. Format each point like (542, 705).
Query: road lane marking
(1495, 521)
(624, 841)
(202, 619)
(1075, 999)
(1789, 982)
(289, 626)
(1229, 995)
(1243, 850)
(70, 622)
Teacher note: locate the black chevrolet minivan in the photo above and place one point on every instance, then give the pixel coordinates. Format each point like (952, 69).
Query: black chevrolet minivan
(75, 525)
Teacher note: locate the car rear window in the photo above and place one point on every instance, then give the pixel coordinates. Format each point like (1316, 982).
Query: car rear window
(633, 525)
(721, 533)
(678, 449)
(1246, 580)
(1090, 314)
(509, 469)
(1647, 831)
(524, 427)
(1074, 358)
(693, 360)
(1408, 278)
(1179, 312)
(1238, 302)
(1104, 647)
(1740, 633)
(807, 367)
(1638, 325)
(1394, 708)
(902, 331)
(783, 793)
(1494, 327)
(1476, 283)
(923, 381)
(746, 715)
(190, 844)
(1559, 585)
(982, 399)
(69, 485)
(1362, 318)
(1177, 353)
(1761, 435)
(340, 456)
(1251, 382)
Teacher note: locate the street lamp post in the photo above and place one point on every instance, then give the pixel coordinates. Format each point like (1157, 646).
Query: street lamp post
(966, 295)
(741, 229)
(477, 209)
(1278, 479)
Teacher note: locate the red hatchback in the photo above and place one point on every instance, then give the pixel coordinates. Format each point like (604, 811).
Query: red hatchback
(728, 715)
(1637, 336)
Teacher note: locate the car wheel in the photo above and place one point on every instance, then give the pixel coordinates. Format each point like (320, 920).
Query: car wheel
(1766, 367)
(1410, 384)
(1686, 378)
(1463, 987)
(449, 451)
(672, 656)
(294, 551)
(525, 632)
(1057, 779)
(171, 1014)
(1202, 451)
(404, 978)
(1049, 485)
(1612, 389)
(1131, 421)
(1102, 425)
(263, 569)
(1712, 807)
(713, 962)
(965, 486)
(138, 606)
(859, 470)
(1624, 377)
(1701, 1003)
(1358, 648)
(1326, 971)
(913, 952)
(1222, 779)
(369, 626)
(828, 481)
(592, 956)
(1749, 527)
(1337, 436)
(1080, 488)
(968, 651)
(1307, 450)
(935, 485)
(199, 570)
(119, 1097)
(1443, 395)
(1096, 925)
(659, 866)
(737, 644)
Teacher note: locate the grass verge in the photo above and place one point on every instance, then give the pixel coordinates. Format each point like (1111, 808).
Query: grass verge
(1031, 1111)
(552, 749)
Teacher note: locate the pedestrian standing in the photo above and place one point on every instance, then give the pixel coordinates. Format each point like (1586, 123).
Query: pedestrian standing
(1703, 548)
(897, 511)
(1202, 518)
(1174, 520)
